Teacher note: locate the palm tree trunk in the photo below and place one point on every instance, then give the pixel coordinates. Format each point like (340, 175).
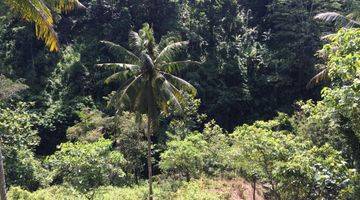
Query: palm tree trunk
(149, 159)
(2, 176)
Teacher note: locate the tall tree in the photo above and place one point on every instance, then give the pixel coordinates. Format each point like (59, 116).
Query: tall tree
(7, 89)
(40, 12)
(151, 87)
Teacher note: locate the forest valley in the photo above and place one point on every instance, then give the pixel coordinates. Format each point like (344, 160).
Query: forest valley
(179, 99)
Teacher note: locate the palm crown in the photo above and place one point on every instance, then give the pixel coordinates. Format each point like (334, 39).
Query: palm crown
(150, 86)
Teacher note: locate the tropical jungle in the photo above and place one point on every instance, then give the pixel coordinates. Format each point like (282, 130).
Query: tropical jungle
(179, 99)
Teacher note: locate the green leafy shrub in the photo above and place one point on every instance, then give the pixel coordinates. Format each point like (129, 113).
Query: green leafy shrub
(92, 126)
(290, 165)
(125, 193)
(50, 193)
(25, 170)
(342, 97)
(353, 191)
(180, 127)
(216, 153)
(17, 127)
(256, 147)
(197, 189)
(19, 138)
(190, 154)
(86, 166)
(63, 192)
(335, 119)
(130, 141)
(185, 157)
(319, 172)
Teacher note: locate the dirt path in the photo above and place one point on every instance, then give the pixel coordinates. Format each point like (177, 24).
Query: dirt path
(238, 189)
(247, 191)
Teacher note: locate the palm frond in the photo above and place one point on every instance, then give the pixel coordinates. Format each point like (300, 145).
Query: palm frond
(166, 93)
(328, 36)
(118, 76)
(36, 11)
(118, 50)
(120, 66)
(171, 67)
(330, 17)
(122, 97)
(336, 17)
(125, 71)
(180, 83)
(353, 23)
(64, 5)
(172, 94)
(148, 40)
(169, 52)
(140, 103)
(39, 12)
(135, 42)
(355, 14)
(322, 75)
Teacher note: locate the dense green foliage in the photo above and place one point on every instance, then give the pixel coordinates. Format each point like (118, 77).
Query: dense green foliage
(19, 138)
(292, 166)
(197, 153)
(166, 190)
(87, 166)
(253, 117)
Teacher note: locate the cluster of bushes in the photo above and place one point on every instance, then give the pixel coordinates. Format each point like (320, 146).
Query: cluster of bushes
(19, 138)
(287, 164)
(197, 189)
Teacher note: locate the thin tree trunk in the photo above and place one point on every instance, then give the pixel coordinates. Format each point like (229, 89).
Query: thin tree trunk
(254, 188)
(149, 159)
(2, 177)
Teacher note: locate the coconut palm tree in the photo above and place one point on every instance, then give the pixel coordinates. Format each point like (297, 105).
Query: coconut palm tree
(40, 12)
(7, 89)
(150, 88)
